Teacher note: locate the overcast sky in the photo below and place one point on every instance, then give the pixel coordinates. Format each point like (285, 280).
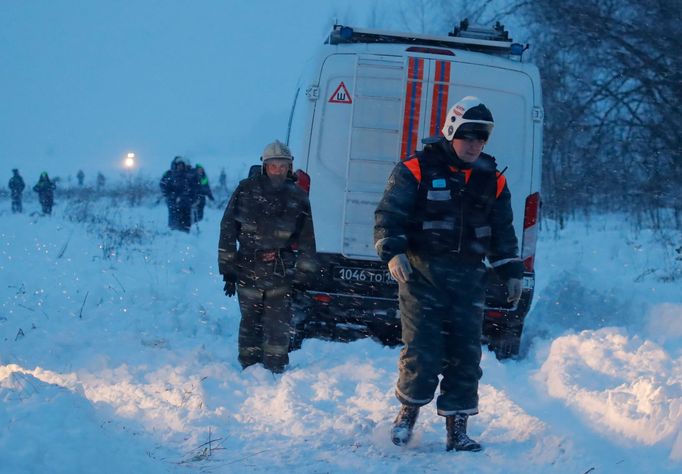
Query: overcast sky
(85, 82)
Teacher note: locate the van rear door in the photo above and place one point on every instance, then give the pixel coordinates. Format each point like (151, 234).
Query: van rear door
(374, 109)
(354, 146)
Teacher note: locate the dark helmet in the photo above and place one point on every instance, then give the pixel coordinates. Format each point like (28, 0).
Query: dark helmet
(178, 160)
(468, 118)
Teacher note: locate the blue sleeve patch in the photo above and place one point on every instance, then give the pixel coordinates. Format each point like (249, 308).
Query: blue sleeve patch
(438, 183)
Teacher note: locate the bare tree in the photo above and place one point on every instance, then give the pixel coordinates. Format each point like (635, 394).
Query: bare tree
(612, 83)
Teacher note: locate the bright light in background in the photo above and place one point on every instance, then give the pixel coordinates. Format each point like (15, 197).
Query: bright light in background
(129, 161)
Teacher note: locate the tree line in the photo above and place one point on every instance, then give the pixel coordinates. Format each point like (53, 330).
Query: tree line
(611, 90)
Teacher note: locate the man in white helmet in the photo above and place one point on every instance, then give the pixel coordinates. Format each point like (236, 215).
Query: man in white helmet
(269, 216)
(443, 211)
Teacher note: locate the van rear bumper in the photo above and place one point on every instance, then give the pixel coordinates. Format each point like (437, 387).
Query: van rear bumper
(333, 299)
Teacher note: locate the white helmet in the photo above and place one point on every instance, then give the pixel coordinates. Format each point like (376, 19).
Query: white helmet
(468, 118)
(278, 150)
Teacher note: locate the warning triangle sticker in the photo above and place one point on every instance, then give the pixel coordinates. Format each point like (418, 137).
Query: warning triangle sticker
(341, 95)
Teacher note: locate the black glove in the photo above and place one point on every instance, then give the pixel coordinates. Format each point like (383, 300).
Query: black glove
(230, 287)
(301, 280)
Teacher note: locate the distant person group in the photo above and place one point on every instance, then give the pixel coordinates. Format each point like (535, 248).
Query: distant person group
(185, 189)
(44, 187)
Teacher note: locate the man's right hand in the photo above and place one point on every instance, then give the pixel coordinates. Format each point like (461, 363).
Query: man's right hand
(230, 288)
(400, 268)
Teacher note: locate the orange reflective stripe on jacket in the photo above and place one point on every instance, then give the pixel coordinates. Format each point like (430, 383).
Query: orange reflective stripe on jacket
(413, 165)
(501, 181)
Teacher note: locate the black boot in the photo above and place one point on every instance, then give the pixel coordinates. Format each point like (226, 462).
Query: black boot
(401, 433)
(456, 426)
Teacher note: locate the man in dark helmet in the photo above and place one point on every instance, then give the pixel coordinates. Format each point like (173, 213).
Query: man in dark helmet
(16, 186)
(180, 188)
(443, 211)
(204, 191)
(45, 189)
(269, 216)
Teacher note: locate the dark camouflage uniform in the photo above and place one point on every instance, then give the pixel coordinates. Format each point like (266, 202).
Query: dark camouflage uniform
(180, 187)
(16, 185)
(45, 189)
(269, 223)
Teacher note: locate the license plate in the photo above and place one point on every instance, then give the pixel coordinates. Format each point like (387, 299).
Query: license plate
(364, 275)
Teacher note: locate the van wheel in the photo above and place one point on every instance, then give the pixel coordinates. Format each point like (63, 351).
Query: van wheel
(387, 334)
(297, 336)
(506, 342)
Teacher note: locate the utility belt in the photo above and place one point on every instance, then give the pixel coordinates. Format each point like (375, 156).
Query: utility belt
(450, 255)
(432, 249)
(270, 255)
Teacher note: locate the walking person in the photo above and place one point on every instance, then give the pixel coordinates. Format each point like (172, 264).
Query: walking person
(16, 186)
(179, 187)
(204, 191)
(269, 216)
(443, 211)
(45, 189)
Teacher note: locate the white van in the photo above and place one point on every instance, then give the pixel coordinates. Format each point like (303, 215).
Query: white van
(368, 101)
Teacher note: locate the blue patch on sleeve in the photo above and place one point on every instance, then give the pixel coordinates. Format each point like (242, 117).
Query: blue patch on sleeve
(438, 183)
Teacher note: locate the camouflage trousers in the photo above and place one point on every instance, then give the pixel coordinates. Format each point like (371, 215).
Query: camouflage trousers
(265, 327)
(441, 312)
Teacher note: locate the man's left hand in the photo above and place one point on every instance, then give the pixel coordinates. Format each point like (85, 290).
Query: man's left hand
(514, 290)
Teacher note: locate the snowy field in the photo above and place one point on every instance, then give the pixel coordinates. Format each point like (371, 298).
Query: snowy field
(118, 355)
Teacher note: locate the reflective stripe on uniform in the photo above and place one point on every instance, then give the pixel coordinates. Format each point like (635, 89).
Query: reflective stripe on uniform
(249, 351)
(277, 291)
(438, 195)
(275, 349)
(439, 225)
(499, 263)
(251, 293)
(282, 234)
(416, 401)
(470, 411)
(225, 256)
(485, 231)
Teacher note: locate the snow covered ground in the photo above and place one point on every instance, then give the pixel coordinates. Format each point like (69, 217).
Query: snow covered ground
(118, 354)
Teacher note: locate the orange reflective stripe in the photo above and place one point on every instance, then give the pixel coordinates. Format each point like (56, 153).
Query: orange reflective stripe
(413, 165)
(467, 173)
(501, 182)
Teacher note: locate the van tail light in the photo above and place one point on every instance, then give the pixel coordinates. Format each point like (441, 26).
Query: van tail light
(530, 231)
(303, 180)
(322, 298)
